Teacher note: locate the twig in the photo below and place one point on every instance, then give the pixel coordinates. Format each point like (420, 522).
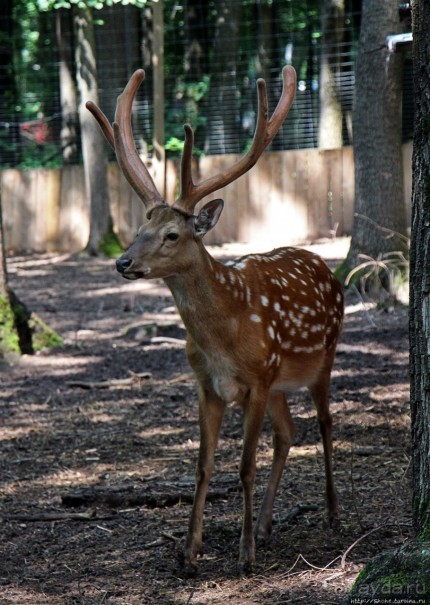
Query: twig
(390, 233)
(57, 516)
(168, 340)
(300, 557)
(129, 496)
(354, 544)
(354, 501)
(193, 590)
(171, 537)
(104, 597)
(366, 312)
(297, 510)
(107, 384)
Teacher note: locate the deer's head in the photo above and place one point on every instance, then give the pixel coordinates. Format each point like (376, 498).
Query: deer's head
(167, 243)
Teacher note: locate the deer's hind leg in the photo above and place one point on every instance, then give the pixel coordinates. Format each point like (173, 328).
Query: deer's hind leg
(282, 435)
(320, 392)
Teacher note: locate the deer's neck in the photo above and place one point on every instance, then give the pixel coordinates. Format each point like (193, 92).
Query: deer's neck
(205, 298)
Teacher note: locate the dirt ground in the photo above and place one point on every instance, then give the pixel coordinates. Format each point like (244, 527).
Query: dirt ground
(98, 442)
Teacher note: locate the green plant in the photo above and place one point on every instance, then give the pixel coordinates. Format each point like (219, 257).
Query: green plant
(48, 156)
(189, 97)
(382, 277)
(43, 336)
(9, 341)
(110, 246)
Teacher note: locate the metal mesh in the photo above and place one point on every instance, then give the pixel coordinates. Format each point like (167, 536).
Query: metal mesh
(214, 52)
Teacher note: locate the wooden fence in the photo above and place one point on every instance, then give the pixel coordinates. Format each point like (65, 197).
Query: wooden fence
(289, 197)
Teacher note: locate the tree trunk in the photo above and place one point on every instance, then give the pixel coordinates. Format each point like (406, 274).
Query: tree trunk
(69, 108)
(377, 138)
(113, 70)
(420, 275)
(15, 331)
(93, 150)
(223, 135)
(268, 66)
(404, 574)
(197, 40)
(333, 23)
(9, 153)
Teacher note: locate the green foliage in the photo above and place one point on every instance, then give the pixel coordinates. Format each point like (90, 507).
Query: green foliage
(297, 24)
(382, 277)
(9, 342)
(46, 5)
(401, 573)
(44, 337)
(110, 245)
(46, 156)
(17, 326)
(187, 110)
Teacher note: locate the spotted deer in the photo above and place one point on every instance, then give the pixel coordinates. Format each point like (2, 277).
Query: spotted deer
(258, 328)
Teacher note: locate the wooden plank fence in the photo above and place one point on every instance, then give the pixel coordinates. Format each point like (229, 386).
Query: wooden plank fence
(287, 198)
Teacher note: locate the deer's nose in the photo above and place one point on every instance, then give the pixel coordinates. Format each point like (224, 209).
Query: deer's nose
(122, 264)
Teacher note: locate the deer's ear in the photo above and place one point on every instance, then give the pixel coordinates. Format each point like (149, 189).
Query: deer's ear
(208, 217)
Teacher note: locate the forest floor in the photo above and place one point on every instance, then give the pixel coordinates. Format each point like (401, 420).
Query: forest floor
(98, 443)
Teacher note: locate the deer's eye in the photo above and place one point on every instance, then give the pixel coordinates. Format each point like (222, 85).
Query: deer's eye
(172, 236)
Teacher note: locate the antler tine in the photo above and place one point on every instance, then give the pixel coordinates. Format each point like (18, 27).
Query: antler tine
(103, 122)
(120, 137)
(187, 184)
(285, 101)
(265, 132)
(132, 166)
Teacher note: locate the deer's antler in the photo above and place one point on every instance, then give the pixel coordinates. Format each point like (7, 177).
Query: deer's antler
(120, 136)
(265, 131)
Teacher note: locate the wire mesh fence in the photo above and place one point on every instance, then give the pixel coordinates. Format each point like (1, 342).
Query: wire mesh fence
(213, 54)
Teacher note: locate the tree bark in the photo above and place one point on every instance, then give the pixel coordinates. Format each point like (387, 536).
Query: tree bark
(223, 135)
(420, 275)
(93, 150)
(15, 331)
(377, 137)
(69, 107)
(405, 572)
(8, 93)
(333, 23)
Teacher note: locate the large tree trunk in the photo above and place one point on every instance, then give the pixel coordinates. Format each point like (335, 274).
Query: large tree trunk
(333, 25)
(420, 275)
(377, 137)
(113, 70)
(9, 153)
(197, 40)
(268, 66)
(223, 135)
(404, 574)
(69, 107)
(15, 331)
(92, 138)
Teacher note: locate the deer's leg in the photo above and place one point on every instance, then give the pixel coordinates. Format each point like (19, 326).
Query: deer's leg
(320, 395)
(211, 411)
(253, 420)
(282, 435)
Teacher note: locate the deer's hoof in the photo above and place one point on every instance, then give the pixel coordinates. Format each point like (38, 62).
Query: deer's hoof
(245, 568)
(331, 522)
(189, 570)
(262, 535)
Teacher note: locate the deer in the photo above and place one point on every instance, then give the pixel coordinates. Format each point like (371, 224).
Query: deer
(257, 328)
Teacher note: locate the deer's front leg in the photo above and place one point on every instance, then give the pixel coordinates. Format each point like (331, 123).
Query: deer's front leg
(283, 434)
(211, 411)
(253, 421)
